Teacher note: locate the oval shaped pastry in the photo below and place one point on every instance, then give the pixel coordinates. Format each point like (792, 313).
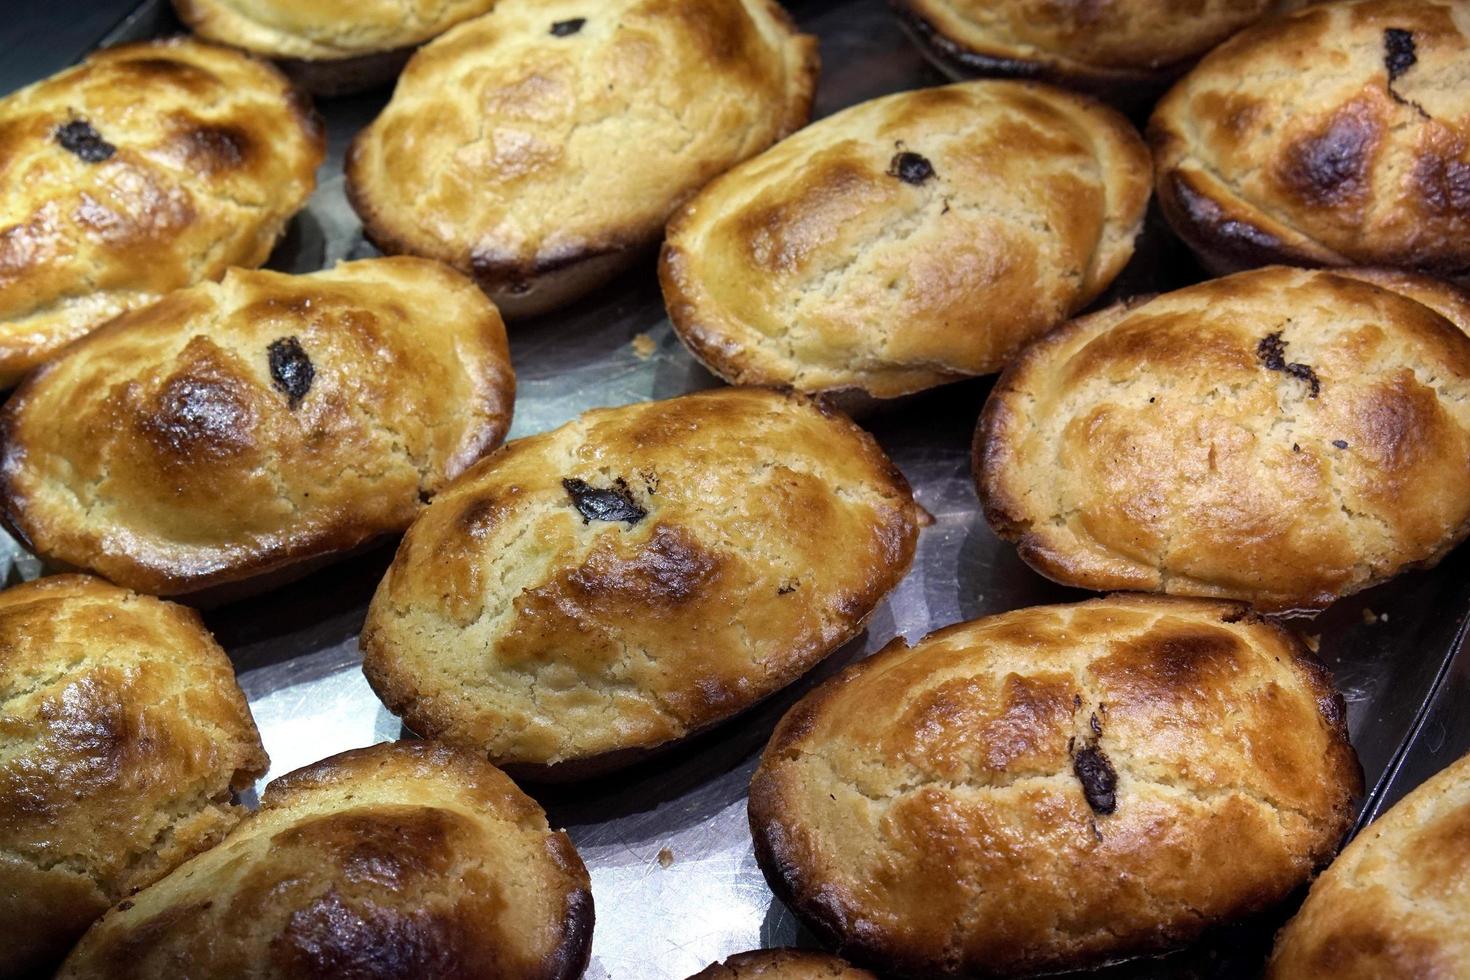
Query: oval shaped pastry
(1125, 50)
(782, 964)
(1395, 905)
(144, 169)
(330, 47)
(125, 739)
(403, 861)
(1056, 787)
(248, 427)
(1282, 436)
(1335, 136)
(639, 574)
(542, 146)
(908, 241)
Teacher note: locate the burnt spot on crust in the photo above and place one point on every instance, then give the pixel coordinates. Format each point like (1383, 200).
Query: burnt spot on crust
(910, 167)
(566, 28)
(78, 137)
(1272, 352)
(1330, 168)
(789, 586)
(216, 149)
(671, 568)
(198, 415)
(332, 937)
(1399, 54)
(291, 370)
(1098, 778)
(1340, 443)
(611, 504)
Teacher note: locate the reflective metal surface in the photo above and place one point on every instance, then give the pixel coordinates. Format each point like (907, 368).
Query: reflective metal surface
(674, 880)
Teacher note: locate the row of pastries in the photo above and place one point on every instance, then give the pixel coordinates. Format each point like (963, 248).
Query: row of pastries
(1046, 789)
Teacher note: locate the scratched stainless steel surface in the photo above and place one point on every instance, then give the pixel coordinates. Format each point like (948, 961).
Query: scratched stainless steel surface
(663, 919)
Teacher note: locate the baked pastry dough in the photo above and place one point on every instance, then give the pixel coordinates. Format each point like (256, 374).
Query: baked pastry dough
(1395, 905)
(403, 861)
(782, 964)
(1337, 136)
(330, 47)
(123, 739)
(1123, 49)
(250, 427)
(543, 146)
(908, 241)
(1053, 788)
(1282, 436)
(637, 575)
(146, 168)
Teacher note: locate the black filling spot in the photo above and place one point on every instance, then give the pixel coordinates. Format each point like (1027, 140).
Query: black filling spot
(1340, 443)
(1099, 781)
(80, 138)
(1096, 725)
(789, 586)
(614, 504)
(910, 167)
(566, 28)
(291, 370)
(1272, 352)
(1399, 54)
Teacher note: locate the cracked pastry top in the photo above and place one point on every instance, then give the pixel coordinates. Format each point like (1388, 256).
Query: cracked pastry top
(402, 861)
(1122, 49)
(1282, 436)
(586, 595)
(125, 739)
(331, 47)
(782, 964)
(543, 146)
(909, 241)
(1339, 135)
(245, 428)
(1396, 902)
(147, 168)
(1055, 788)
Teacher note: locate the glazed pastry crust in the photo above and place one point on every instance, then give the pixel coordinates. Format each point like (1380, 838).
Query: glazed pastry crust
(325, 30)
(782, 964)
(1325, 139)
(509, 624)
(212, 153)
(123, 736)
(175, 450)
(1153, 447)
(1118, 47)
(403, 861)
(814, 265)
(923, 813)
(543, 164)
(1396, 904)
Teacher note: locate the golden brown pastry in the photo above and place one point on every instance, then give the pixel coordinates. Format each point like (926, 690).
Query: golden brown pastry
(144, 169)
(642, 573)
(403, 861)
(1395, 905)
(123, 739)
(330, 47)
(908, 241)
(543, 146)
(782, 964)
(1282, 436)
(1123, 49)
(1056, 787)
(252, 426)
(1336, 136)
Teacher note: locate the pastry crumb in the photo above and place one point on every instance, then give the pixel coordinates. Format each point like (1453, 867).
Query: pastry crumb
(1369, 616)
(644, 346)
(665, 858)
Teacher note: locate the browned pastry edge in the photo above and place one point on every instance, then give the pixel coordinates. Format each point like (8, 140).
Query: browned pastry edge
(1130, 90)
(530, 288)
(1001, 510)
(849, 940)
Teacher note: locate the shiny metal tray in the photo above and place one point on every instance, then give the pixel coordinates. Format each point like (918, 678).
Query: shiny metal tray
(675, 882)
